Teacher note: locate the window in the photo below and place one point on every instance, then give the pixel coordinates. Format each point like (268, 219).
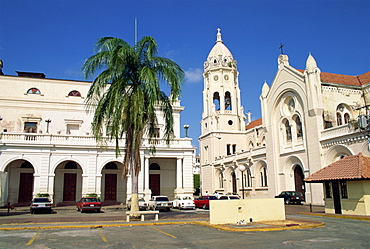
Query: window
(288, 131)
(30, 127)
(111, 165)
(74, 93)
(33, 90)
(221, 180)
(343, 189)
(216, 101)
(327, 190)
(227, 101)
(339, 119)
(234, 148)
(228, 152)
(156, 133)
(346, 118)
(248, 179)
(72, 129)
(298, 127)
(263, 177)
(70, 165)
(154, 166)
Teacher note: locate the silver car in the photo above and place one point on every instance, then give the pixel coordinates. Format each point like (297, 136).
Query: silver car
(40, 204)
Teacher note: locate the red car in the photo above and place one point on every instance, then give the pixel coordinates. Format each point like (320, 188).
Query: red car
(203, 201)
(88, 203)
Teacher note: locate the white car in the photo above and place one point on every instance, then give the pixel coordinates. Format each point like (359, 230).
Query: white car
(160, 202)
(183, 202)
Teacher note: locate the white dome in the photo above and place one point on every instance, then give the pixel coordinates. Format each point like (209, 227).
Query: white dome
(220, 54)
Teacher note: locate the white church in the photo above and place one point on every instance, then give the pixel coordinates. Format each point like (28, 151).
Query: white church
(309, 120)
(46, 147)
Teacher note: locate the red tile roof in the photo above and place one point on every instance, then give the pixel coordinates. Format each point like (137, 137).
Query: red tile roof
(342, 79)
(253, 124)
(347, 168)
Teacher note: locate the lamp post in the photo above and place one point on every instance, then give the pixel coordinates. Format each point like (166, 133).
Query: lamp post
(48, 120)
(242, 168)
(186, 127)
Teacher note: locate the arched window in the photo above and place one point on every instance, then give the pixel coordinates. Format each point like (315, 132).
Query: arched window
(263, 177)
(248, 179)
(33, 90)
(216, 101)
(154, 166)
(70, 165)
(288, 130)
(346, 118)
(228, 101)
(26, 165)
(111, 165)
(74, 93)
(339, 119)
(298, 124)
(221, 180)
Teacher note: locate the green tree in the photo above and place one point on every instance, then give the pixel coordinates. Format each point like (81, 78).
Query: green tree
(125, 97)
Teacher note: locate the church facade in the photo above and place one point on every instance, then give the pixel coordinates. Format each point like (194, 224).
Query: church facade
(309, 120)
(46, 147)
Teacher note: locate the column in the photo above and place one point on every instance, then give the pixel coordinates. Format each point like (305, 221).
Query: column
(179, 176)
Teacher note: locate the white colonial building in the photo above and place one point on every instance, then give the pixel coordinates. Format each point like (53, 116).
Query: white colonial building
(309, 120)
(46, 146)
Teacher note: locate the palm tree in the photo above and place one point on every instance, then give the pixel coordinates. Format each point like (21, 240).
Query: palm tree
(126, 95)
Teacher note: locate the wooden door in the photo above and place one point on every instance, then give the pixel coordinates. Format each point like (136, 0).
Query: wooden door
(25, 187)
(110, 187)
(69, 187)
(155, 183)
(298, 179)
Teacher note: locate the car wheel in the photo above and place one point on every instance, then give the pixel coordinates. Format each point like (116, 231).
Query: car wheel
(98, 210)
(77, 209)
(167, 209)
(286, 201)
(179, 207)
(204, 206)
(31, 211)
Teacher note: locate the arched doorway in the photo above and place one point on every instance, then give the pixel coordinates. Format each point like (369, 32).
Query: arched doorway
(67, 183)
(298, 179)
(233, 181)
(110, 182)
(155, 179)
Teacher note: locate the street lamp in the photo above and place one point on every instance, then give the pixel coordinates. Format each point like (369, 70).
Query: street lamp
(186, 127)
(48, 120)
(242, 169)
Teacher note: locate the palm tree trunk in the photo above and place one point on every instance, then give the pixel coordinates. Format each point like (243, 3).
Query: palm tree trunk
(134, 191)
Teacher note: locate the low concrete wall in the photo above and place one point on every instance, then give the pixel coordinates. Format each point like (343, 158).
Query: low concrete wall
(233, 211)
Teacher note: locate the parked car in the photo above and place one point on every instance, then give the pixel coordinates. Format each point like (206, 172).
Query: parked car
(160, 202)
(40, 204)
(229, 197)
(183, 202)
(203, 201)
(291, 197)
(142, 204)
(88, 203)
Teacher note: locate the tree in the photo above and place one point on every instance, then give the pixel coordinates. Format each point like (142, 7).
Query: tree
(126, 94)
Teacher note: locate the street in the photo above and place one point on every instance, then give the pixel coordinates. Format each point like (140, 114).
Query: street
(337, 233)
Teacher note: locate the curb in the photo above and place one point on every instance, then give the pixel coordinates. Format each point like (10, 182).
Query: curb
(262, 229)
(338, 216)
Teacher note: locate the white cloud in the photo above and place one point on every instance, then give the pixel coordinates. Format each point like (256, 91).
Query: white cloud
(194, 75)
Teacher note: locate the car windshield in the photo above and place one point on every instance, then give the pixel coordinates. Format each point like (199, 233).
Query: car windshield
(233, 197)
(141, 199)
(212, 198)
(297, 193)
(90, 200)
(187, 198)
(41, 200)
(162, 199)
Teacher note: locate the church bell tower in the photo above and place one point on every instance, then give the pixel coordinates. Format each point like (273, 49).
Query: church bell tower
(222, 115)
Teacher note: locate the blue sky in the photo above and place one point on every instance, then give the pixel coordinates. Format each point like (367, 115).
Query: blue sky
(55, 37)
